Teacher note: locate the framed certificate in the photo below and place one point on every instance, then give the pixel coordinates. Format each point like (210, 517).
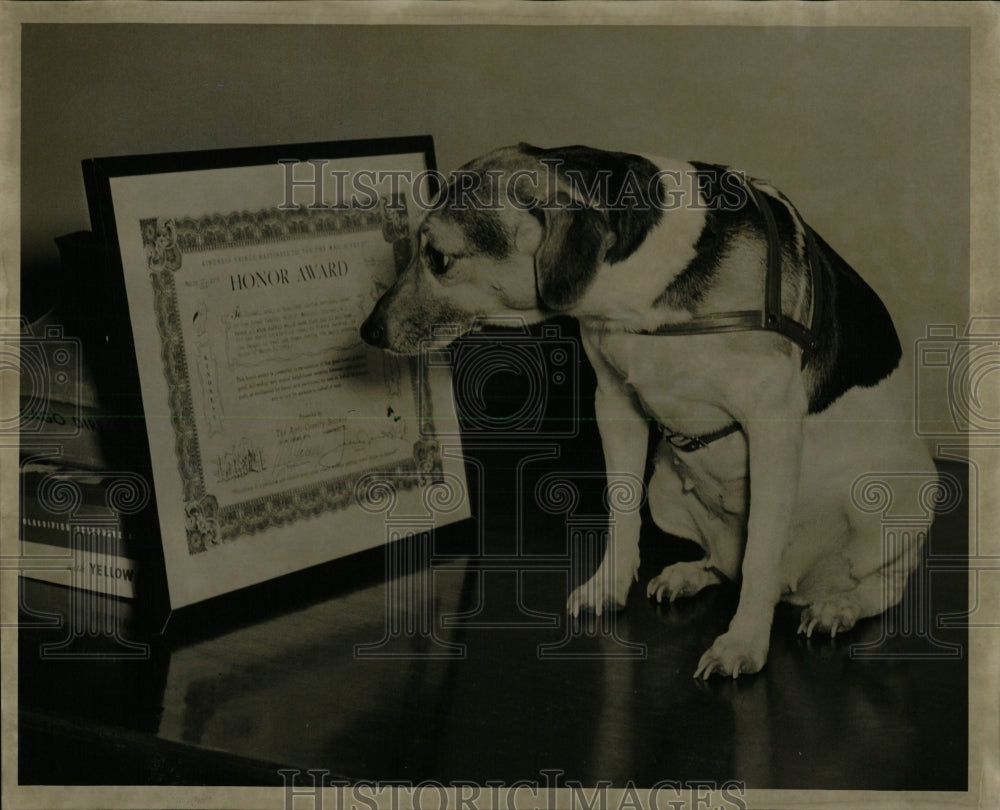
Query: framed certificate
(274, 432)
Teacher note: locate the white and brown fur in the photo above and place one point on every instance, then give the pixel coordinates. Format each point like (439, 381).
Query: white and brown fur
(771, 503)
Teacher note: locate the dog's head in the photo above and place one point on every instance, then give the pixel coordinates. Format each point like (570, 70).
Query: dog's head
(520, 232)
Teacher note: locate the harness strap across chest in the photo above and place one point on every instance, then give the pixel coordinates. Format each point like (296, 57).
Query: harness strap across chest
(769, 318)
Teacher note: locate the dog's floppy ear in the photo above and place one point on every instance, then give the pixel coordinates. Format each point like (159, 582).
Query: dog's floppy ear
(612, 203)
(573, 246)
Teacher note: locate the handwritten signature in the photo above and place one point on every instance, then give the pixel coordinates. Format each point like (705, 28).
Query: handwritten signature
(242, 460)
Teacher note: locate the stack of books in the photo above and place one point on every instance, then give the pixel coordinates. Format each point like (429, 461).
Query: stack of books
(87, 511)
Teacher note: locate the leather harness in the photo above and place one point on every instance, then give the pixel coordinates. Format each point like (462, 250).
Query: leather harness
(769, 318)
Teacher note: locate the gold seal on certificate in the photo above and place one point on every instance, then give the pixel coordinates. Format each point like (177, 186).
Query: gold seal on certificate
(270, 423)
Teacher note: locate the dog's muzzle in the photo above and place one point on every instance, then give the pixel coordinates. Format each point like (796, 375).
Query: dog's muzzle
(373, 333)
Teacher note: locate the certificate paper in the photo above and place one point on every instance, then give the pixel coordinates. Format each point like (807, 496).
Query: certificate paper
(266, 413)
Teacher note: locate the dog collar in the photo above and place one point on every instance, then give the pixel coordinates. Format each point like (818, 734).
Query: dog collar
(770, 317)
(688, 444)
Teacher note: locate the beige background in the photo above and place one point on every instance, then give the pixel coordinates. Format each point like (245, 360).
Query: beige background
(866, 129)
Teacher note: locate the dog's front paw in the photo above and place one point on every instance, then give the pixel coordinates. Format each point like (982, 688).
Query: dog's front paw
(598, 595)
(681, 579)
(835, 614)
(734, 654)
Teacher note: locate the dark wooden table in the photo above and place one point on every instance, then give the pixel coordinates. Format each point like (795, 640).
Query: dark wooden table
(309, 672)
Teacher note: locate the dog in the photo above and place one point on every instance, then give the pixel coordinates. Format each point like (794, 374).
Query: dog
(709, 307)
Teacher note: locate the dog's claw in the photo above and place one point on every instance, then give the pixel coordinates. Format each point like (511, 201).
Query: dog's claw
(733, 654)
(836, 614)
(679, 580)
(597, 597)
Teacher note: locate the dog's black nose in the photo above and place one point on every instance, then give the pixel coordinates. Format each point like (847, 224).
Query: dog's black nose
(373, 334)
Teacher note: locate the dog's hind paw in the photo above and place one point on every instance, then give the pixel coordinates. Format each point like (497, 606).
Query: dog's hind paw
(681, 579)
(733, 655)
(835, 614)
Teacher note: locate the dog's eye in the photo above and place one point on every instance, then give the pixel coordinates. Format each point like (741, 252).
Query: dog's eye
(437, 261)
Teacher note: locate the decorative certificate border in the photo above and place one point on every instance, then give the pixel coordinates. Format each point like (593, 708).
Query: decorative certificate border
(166, 241)
(171, 223)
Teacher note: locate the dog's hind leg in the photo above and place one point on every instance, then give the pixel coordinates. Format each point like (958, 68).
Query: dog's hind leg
(833, 611)
(677, 510)
(682, 579)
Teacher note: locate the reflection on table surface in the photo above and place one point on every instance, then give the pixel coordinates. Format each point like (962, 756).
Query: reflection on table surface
(337, 669)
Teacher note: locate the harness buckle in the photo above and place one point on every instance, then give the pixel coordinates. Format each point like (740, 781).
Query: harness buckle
(688, 444)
